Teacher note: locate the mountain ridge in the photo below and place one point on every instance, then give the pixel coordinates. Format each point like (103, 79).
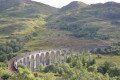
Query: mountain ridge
(73, 4)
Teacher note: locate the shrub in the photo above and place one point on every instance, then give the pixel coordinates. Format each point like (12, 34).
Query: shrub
(36, 74)
(21, 66)
(41, 68)
(26, 74)
(69, 60)
(114, 71)
(99, 56)
(6, 74)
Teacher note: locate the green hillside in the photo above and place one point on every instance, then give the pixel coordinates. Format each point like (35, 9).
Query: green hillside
(20, 18)
(23, 18)
(39, 26)
(92, 21)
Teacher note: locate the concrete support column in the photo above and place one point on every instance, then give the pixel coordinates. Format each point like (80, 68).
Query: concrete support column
(15, 64)
(89, 51)
(34, 63)
(30, 63)
(60, 57)
(77, 51)
(83, 51)
(71, 53)
(65, 56)
(95, 50)
(26, 61)
(37, 58)
(101, 49)
(53, 58)
(40, 61)
(22, 61)
(18, 62)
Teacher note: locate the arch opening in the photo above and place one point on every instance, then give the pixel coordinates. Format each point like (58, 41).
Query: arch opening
(80, 52)
(21, 61)
(70, 53)
(58, 57)
(42, 59)
(32, 63)
(47, 58)
(74, 52)
(28, 62)
(64, 55)
(52, 57)
(24, 61)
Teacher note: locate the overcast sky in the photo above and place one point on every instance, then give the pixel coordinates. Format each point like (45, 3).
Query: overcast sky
(61, 3)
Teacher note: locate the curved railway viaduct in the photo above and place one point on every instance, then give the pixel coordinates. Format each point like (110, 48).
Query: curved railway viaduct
(33, 59)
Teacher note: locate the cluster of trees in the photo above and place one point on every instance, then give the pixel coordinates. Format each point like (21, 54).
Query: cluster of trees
(86, 32)
(90, 34)
(78, 31)
(110, 68)
(12, 46)
(116, 44)
(115, 50)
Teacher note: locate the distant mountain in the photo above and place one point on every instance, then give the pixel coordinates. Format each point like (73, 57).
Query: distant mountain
(24, 8)
(96, 20)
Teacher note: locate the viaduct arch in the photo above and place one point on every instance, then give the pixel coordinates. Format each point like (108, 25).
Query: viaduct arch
(33, 59)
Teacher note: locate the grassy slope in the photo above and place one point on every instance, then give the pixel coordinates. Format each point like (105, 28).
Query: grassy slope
(92, 16)
(23, 19)
(46, 38)
(25, 23)
(20, 21)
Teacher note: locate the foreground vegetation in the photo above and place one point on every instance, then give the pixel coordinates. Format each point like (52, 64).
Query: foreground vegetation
(75, 68)
(103, 65)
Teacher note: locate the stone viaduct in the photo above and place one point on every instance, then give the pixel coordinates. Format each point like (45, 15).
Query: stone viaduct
(33, 59)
